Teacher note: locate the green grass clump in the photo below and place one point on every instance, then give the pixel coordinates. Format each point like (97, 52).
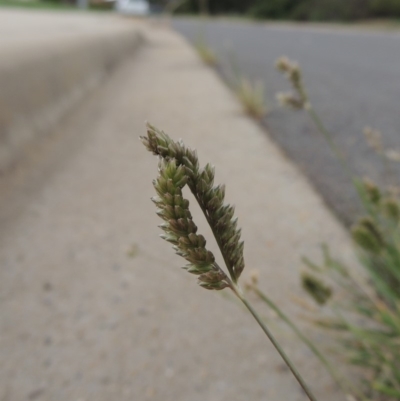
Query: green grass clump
(369, 319)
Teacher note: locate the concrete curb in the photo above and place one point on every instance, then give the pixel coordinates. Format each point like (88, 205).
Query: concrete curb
(43, 87)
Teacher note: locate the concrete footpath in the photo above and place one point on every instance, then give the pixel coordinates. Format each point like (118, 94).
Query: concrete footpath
(49, 61)
(94, 305)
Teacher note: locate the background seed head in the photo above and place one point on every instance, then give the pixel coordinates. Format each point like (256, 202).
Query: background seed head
(372, 191)
(366, 235)
(391, 208)
(319, 291)
(292, 70)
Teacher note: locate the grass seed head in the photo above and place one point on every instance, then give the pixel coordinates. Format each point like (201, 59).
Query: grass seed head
(367, 235)
(392, 155)
(318, 290)
(291, 69)
(179, 166)
(391, 209)
(372, 191)
(288, 99)
(374, 139)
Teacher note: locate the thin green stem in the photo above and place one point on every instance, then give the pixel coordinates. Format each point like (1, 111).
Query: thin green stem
(275, 343)
(316, 351)
(326, 134)
(338, 378)
(337, 152)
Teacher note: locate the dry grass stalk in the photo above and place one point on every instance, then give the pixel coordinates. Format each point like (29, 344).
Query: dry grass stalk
(251, 95)
(206, 54)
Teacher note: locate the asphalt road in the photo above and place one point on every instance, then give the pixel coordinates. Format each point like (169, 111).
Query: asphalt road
(353, 78)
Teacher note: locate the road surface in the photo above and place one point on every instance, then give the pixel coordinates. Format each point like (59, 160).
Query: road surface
(353, 79)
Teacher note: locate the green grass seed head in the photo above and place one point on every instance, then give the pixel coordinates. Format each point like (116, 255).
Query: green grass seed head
(391, 208)
(178, 167)
(318, 290)
(367, 235)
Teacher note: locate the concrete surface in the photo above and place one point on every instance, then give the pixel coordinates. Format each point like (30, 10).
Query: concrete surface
(353, 80)
(48, 62)
(93, 303)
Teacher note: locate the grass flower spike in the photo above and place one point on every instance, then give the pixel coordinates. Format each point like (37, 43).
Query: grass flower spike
(210, 198)
(179, 228)
(299, 100)
(292, 70)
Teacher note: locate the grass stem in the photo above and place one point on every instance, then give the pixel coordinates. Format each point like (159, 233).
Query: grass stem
(326, 134)
(348, 386)
(275, 343)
